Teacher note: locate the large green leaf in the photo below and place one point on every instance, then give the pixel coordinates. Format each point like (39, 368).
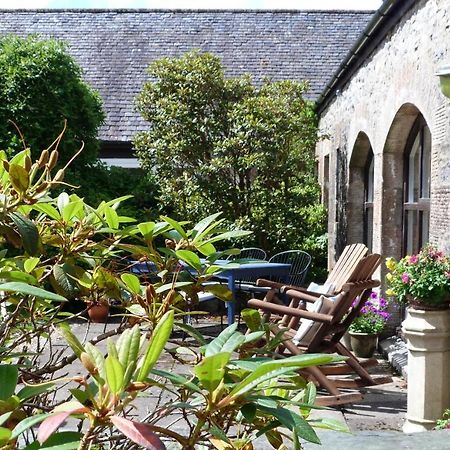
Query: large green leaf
(272, 369)
(156, 345)
(176, 226)
(19, 177)
(216, 345)
(5, 435)
(228, 235)
(66, 440)
(210, 371)
(98, 359)
(32, 390)
(64, 277)
(111, 217)
(146, 229)
(206, 249)
(27, 423)
(114, 374)
(293, 422)
(9, 375)
(220, 291)
(16, 275)
(177, 380)
(30, 264)
(192, 332)
(71, 339)
(190, 258)
(169, 286)
(252, 319)
(330, 424)
(132, 282)
(201, 228)
(72, 210)
(48, 209)
(26, 289)
(129, 349)
(28, 232)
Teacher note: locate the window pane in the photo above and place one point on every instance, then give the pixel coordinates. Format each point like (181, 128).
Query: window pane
(418, 175)
(426, 164)
(413, 171)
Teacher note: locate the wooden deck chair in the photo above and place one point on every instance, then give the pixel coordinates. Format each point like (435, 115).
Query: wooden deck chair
(339, 275)
(322, 329)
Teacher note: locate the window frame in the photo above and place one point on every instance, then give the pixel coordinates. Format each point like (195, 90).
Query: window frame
(422, 204)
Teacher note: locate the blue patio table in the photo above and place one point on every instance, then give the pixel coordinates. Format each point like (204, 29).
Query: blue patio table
(243, 271)
(250, 270)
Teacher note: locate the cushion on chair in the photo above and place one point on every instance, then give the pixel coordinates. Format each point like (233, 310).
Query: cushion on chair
(308, 328)
(326, 288)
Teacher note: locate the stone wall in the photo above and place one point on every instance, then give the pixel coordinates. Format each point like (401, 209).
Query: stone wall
(382, 101)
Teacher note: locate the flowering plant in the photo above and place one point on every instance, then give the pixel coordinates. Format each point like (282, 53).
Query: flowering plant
(372, 317)
(425, 277)
(444, 423)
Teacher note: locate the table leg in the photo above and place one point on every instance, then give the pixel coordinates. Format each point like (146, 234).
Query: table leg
(231, 306)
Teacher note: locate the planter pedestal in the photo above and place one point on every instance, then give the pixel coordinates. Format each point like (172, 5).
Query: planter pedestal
(428, 341)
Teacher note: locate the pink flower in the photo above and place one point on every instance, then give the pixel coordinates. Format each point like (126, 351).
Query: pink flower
(405, 278)
(413, 259)
(448, 274)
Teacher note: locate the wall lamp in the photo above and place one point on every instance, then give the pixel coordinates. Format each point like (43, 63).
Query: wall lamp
(444, 77)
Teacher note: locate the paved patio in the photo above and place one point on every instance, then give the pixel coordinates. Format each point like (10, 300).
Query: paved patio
(375, 422)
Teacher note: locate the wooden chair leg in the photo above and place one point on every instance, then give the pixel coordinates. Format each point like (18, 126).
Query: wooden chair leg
(353, 362)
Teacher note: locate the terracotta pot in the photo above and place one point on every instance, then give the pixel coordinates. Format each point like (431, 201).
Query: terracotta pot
(363, 344)
(98, 312)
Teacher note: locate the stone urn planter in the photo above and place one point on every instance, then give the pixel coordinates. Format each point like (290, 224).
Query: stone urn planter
(428, 340)
(363, 344)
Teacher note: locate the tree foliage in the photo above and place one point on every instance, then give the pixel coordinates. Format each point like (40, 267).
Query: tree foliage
(224, 143)
(99, 182)
(41, 88)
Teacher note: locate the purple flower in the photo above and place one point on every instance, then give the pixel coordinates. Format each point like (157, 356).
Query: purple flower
(413, 259)
(405, 278)
(383, 302)
(373, 295)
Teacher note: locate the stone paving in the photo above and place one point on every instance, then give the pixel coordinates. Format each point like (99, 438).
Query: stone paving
(375, 422)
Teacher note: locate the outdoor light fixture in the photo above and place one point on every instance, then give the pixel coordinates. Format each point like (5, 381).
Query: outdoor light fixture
(444, 76)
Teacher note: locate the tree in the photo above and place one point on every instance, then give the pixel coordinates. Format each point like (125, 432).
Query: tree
(223, 143)
(41, 88)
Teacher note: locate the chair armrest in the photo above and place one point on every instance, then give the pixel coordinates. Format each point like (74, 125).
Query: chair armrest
(280, 309)
(261, 282)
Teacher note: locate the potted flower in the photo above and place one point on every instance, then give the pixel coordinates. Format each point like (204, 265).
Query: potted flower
(421, 280)
(366, 328)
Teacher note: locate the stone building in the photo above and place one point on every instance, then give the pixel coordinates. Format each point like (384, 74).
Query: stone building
(114, 47)
(385, 165)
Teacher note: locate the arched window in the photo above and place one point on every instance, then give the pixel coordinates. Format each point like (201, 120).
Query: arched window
(416, 217)
(368, 201)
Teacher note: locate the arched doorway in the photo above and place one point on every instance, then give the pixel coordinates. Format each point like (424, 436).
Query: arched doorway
(405, 205)
(360, 192)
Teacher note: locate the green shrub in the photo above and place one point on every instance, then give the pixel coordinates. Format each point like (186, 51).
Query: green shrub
(217, 143)
(42, 87)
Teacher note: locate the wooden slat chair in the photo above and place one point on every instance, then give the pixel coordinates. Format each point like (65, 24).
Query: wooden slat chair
(339, 275)
(327, 328)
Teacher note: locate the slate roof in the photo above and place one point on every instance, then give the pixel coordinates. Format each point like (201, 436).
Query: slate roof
(115, 46)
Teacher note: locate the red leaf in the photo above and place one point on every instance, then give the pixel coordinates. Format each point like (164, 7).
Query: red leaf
(139, 433)
(53, 422)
